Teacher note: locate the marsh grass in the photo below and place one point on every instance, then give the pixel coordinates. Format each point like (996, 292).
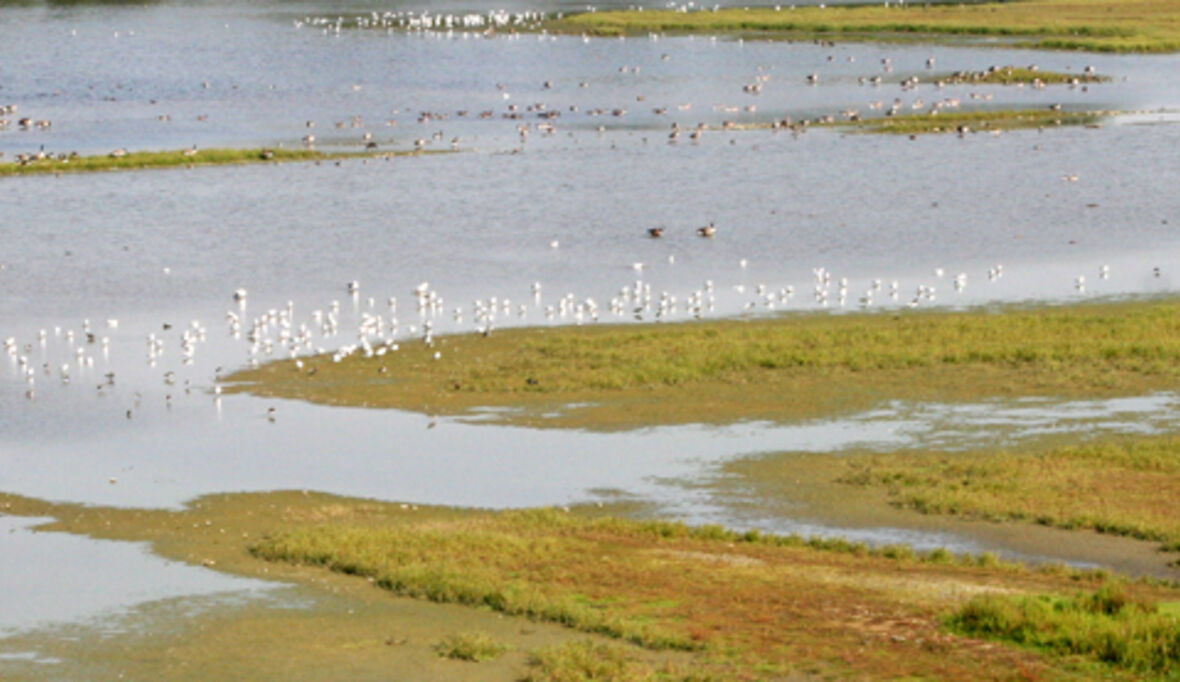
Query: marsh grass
(1099, 25)
(475, 564)
(1126, 486)
(943, 121)
(1108, 625)
(974, 121)
(590, 661)
(744, 599)
(797, 366)
(753, 605)
(585, 660)
(1012, 75)
(176, 159)
(470, 646)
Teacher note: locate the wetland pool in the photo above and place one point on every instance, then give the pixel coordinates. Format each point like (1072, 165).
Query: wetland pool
(162, 252)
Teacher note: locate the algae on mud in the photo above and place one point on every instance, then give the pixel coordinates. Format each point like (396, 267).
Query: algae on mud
(1099, 26)
(751, 605)
(781, 368)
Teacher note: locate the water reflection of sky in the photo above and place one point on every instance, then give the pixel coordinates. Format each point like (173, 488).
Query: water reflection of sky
(56, 577)
(164, 456)
(157, 248)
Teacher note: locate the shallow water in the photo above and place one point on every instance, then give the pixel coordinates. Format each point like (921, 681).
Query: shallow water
(569, 210)
(56, 577)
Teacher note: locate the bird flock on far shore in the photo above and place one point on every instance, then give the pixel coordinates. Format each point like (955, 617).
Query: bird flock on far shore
(552, 105)
(373, 326)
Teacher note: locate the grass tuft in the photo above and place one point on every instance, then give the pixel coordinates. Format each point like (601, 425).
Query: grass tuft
(1108, 625)
(470, 646)
(585, 660)
(589, 661)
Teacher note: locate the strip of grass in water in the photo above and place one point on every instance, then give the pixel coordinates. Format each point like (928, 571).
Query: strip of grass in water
(175, 159)
(973, 121)
(1127, 486)
(1101, 25)
(784, 368)
(1013, 75)
(1108, 625)
(745, 604)
(944, 121)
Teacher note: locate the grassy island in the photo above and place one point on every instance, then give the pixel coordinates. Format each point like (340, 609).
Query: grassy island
(1125, 486)
(790, 367)
(185, 158)
(1100, 26)
(1014, 75)
(955, 121)
(943, 121)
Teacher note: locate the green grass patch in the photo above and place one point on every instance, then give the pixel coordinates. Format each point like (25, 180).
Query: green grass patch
(943, 121)
(974, 121)
(589, 661)
(663, 586)
(797, 366)
(748, 605)
(1126, 486)
(1108, 625)
(477, 564)
(585, 660)
(175, 159)
(1093, 25)
(470, 646)
(1012, 75)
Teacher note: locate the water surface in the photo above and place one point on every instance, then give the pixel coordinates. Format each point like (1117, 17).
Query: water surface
(159, 254)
